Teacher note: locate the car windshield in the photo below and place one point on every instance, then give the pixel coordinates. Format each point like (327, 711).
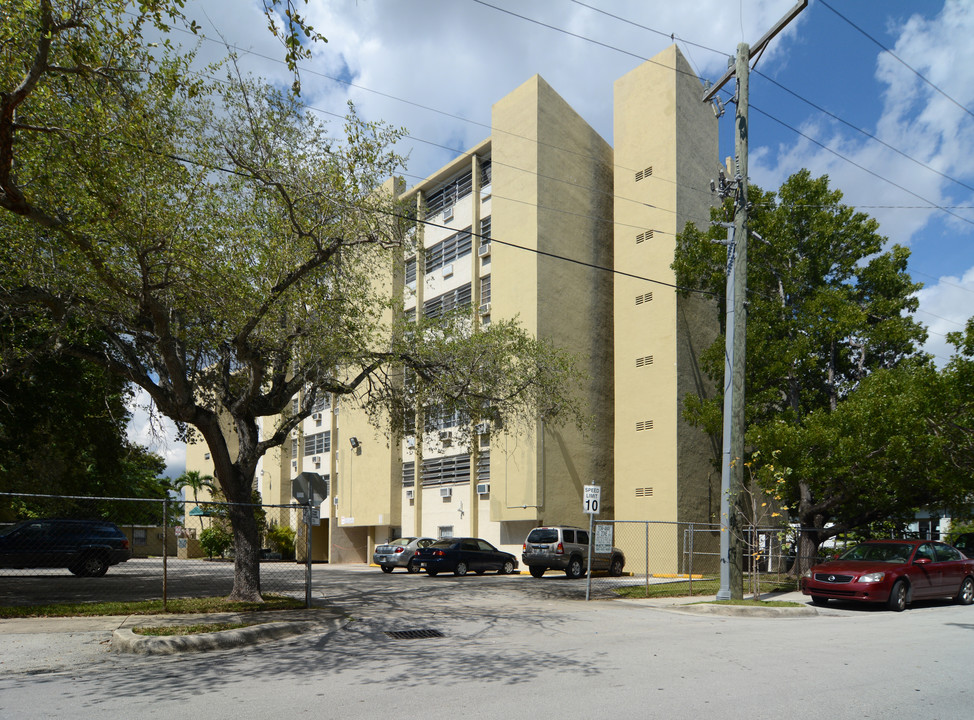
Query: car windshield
(400, 541)
(10, 529)
(443, 544)
(879, 552)
(543, 535)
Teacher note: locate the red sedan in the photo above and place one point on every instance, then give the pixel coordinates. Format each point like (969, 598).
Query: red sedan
(895, 572)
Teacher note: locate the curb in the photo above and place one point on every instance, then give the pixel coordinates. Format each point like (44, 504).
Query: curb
(124, 640)
(744, 610)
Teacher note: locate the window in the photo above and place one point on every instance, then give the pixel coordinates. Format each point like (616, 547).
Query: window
(408, 474)
(483, 465)
(140, 536)
(451, 300)
(568, 536)
(485, 289)
(321, 403)
(444, 532)
(449, 192)
(485, 230)
(442, 470)
(294, 448)
(485, 173)
(317, 444)
(581, 537)
(447, 251)
(411, 273)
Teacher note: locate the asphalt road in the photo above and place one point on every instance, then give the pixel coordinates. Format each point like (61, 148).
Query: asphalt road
(514, 647)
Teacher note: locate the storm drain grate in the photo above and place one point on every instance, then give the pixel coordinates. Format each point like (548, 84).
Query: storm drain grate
(414, 634)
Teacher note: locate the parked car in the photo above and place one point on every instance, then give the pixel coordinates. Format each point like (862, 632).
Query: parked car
(895, 572)
(400, 553)
(965, 543)
(566, 548)
(463, 555)
(85, 547)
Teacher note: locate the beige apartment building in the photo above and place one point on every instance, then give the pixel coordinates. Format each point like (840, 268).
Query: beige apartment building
(543, 220)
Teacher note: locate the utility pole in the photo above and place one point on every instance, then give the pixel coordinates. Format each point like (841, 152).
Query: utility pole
(732, 466)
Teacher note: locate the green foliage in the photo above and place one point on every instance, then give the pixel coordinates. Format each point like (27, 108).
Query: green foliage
(838, 396)
(216, 540)
(280, 538)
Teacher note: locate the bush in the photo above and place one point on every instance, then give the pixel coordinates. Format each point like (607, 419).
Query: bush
(215, 540)
(281, 539)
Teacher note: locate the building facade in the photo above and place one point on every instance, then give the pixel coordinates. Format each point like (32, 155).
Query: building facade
(546, 222)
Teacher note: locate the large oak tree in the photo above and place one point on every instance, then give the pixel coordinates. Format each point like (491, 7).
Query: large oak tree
(229, 251)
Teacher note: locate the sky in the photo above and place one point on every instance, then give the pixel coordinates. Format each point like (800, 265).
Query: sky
(877, 94)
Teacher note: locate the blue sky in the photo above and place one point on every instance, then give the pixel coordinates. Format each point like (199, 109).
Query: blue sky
(435, 67)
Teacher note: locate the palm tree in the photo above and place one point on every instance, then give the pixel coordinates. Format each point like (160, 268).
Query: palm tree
(196, 482)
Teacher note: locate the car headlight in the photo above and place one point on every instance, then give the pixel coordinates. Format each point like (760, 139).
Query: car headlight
(872, 577)
(807, 574)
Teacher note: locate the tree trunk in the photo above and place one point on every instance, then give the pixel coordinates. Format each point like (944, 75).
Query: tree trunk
(246, 554)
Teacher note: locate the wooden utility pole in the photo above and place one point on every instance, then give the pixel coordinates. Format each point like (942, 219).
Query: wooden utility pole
(732, 470)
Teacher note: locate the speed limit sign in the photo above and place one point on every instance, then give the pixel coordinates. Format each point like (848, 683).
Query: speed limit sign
(590, 499)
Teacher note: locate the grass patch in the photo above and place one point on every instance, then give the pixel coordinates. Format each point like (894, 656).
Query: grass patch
(195, 629)
(152, 607)
(706, 586)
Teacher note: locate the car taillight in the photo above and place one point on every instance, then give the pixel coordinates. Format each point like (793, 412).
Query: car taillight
(439, 553)
(559, 549)
(524, 547)
(125, 544)
(399, 549)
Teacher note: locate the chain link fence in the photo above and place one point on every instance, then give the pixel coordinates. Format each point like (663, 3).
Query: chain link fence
(689, 553)
(88, 549)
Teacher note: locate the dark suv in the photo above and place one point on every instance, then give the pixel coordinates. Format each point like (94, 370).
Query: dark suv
(85, 547)
(965, 543)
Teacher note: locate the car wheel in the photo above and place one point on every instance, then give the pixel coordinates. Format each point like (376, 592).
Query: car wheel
(387, 568)
(461, 568)
(965, 596)
(575, 568)
(507, 568)
(412, 567)
(431, 572)
(537, 570)
(615, 568)
(819, 600)
(897, 597)
(91, 566)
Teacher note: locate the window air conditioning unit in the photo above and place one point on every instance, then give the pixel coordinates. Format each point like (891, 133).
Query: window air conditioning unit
(316, 416)
(410, 494)
(483, 488)
(294, 464)
(448, 212)
(485, 309)
(446, 437)
(484, 250)
(448, 270)
(446, 492)
(481, 428)
(316, 459)
(294, 433)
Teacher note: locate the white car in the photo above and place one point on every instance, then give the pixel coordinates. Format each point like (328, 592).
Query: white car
(399, 553)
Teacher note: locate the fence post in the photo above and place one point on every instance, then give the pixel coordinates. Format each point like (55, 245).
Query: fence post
(307, 571)
(647, 558)
(165, 554)
(690, 563)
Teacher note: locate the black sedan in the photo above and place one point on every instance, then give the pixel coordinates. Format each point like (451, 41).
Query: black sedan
(463, 555)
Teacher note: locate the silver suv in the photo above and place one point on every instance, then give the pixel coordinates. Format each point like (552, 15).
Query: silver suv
(566, 548)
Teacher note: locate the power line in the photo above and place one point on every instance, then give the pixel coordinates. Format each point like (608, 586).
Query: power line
(897, 58)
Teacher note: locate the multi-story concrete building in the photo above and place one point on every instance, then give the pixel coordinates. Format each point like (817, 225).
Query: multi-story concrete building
(545, 221)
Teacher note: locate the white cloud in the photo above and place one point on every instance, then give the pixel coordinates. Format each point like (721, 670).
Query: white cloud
(156, 432)
(946, 307)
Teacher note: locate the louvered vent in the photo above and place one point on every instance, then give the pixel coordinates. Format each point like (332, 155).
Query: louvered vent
(644, 425)
(645, 298)
(642, 174)
(644, 492)
(644, 361)
(644, 236)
